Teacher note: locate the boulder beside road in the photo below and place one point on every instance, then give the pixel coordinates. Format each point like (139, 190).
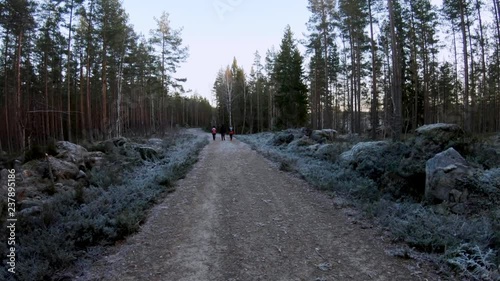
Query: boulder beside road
(445, 174)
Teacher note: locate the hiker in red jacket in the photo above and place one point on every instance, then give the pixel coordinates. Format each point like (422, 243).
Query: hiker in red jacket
(214, 132)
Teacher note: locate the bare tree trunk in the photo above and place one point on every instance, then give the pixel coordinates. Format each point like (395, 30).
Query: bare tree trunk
(68, 70)
(496, 111)
(325, 50)
(104, 123)
(259, 112)
(19, 108)
(396, 82)
(89, 105)
(244, 108)
(6, 94)
(352, 87)
(483, 63)
(119, 98)
(467, 121)
(374, 105)
(82, 105)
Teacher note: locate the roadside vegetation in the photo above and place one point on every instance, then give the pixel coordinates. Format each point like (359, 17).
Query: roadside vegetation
(71, 228)
(386, 182)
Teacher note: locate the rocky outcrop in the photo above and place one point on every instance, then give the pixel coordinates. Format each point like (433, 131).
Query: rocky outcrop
(362, 152)
(63, 169)
(282, 138)
(71, 152)
(325, 135)
(434, 138)
(94, 159)
(446, 175)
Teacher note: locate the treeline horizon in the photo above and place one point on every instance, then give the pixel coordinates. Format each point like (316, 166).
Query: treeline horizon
(76, 70)
(374, 67)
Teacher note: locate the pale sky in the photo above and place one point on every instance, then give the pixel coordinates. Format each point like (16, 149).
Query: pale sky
(218, 30)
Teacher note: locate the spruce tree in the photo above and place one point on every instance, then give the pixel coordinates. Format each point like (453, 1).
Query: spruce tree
(291, 96)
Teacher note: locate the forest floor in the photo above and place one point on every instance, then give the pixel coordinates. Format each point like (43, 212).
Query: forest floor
(236, 216)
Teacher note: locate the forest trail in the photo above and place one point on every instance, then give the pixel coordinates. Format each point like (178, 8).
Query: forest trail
(237, 217)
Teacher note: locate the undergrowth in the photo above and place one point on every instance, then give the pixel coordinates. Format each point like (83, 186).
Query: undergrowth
(469, 245)
(73, 227)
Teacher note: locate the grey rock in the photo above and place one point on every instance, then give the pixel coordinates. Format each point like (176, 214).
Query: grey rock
(94, 159)
(81, 175)
(323, 135)
(444, 173)
(71, 152)
(63, 169)
(362, 151)
(434, 138)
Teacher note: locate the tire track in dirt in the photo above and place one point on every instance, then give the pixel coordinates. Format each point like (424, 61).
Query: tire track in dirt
(237, 217)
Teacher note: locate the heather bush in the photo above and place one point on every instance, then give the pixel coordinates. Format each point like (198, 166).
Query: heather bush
(388, 187)
(73, 224)
(473, 263)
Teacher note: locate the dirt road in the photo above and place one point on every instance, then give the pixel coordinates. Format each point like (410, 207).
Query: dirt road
(237, 217)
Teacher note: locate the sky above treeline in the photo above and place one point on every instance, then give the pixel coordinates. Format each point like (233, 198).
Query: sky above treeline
(218, 30)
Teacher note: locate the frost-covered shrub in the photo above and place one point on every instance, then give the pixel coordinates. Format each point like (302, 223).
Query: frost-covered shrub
(331, 152)
(489, 181)
(282, 138)
(388, 185)
(70, 224)
(473, 262)
(429, 231)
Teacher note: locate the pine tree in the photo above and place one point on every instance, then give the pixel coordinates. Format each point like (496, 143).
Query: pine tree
(322, 45)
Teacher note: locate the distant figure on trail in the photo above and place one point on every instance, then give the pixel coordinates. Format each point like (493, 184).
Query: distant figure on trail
(214, 132)
(231, 133)
(223, 132)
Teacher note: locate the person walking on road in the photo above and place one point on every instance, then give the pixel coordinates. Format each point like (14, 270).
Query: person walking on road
(222, 132)
(214, 132)
(231, 133)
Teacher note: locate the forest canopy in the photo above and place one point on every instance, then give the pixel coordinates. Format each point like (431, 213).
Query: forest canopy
(77, 70)
(378, 67)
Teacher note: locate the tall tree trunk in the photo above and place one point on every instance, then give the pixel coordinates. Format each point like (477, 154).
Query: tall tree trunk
(414, 71)
(6, 93)
(496, 111)
(325, 54)
(244, 108)
(483, 63)
(89, 50)
(68, 70)
(19, 107)
(396, 81)
(467, 121)
(104, 89)
(83, 128)
(374, 105)
(352, 91)
(259, 113)
(119, 97)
